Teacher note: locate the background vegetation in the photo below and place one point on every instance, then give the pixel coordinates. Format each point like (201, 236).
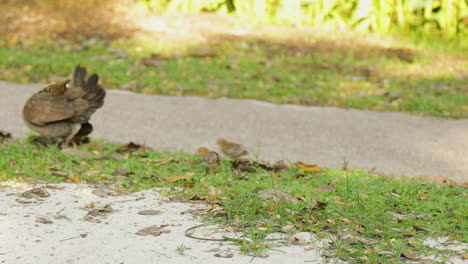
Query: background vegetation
(446, 17)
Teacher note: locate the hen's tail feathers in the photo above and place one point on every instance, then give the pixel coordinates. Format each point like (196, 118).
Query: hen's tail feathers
(79, 76)
(94, 95)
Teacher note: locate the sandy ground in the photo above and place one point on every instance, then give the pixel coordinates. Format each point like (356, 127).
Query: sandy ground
(74, 236)
(81, 223)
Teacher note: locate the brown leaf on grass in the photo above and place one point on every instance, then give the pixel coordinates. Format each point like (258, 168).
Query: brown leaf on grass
(153, 231)
(242, 166)
(112, 156)
(39, 192)
(408, 255)
(287, 228)
(123, 172)
(321, 205)
(132, 147)
(202, 52)
(308, 167)
(76, 152)
(72, 178)
(228, 255)
(276, 196)
(152, 62)
(278, 166)
(177, 178)
(58, 172)
(195, 197)
(189, 184)
(464, 256)
(436, 179)
(150, 212)
(43, 220)
(419, 228)
(163, 161)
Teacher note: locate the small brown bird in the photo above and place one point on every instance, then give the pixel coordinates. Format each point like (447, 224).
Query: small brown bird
(211, 158)
(62, 110)
(231, 149)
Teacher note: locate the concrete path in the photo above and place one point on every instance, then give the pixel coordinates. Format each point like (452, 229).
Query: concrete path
(393, 143)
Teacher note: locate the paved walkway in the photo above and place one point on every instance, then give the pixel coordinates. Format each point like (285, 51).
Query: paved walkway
(393, 143)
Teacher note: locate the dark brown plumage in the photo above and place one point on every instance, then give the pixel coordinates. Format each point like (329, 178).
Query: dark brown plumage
(63, 110)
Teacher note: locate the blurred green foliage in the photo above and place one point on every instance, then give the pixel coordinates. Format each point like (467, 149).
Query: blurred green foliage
(448, 18)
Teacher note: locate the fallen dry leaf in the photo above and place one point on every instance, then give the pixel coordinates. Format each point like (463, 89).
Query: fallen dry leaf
(419, 228)
(40, 192)
(287, 228)
(308, 167)
(150, 212)
(90, 205)
(189, 184)
(97, 212)
(177, 178)
(276, 196)
(408, 255)
(163, 161)
(153, 230)
(321, 205)
(202, 52)
(76, 152)
(43, 220)
(123, 171)
(58, 172)
(228, 255)
(132, 147)
(280, 166)
(112, 156)
(436, 179)
(242, 166)
(73, 179)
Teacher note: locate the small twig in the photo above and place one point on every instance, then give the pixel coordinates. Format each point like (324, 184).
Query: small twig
(69, 238)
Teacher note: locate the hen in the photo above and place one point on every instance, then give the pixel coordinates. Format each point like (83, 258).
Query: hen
(62, 110)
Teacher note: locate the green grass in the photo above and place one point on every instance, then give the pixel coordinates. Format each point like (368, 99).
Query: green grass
(370, 219)
(326, 73)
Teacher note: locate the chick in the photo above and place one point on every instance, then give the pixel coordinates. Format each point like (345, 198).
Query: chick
(231, 149)
(62, 110)
(211, 158)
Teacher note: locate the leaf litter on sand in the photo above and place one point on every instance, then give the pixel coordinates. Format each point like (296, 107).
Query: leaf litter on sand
(153, 230)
